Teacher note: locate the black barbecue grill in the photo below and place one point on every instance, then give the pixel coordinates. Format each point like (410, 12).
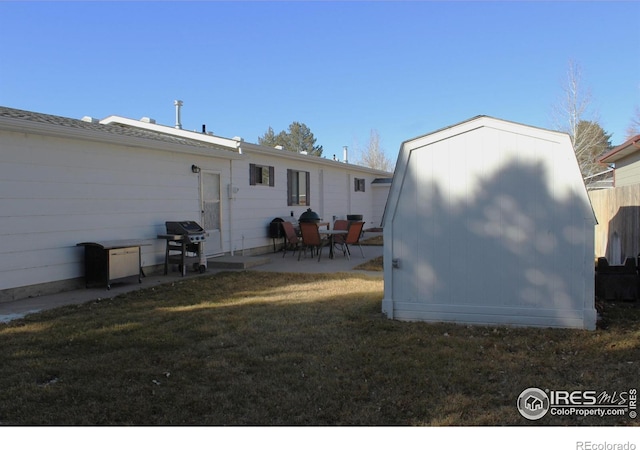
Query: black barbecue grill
(190, 230)
(185, 245)
(276, 231)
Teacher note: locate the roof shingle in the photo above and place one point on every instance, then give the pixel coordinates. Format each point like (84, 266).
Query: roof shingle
(115, 129)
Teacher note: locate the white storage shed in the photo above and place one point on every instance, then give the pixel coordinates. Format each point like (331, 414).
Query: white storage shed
(489, 222)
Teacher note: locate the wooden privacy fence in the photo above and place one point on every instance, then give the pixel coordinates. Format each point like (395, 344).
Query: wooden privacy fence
(617, 235)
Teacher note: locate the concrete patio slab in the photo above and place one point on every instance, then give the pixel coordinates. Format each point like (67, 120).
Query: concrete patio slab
(273, 262)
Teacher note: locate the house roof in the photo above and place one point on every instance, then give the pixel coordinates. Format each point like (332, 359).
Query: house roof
(621, 151)
(198, 139)
(137, 132)
(49, 124)
(235, 142)
(318, 160)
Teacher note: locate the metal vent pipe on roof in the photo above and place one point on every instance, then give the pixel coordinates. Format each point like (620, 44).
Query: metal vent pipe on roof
(178, 105)
(345, 154)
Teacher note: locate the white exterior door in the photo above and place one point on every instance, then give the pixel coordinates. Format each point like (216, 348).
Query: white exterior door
(210, 202)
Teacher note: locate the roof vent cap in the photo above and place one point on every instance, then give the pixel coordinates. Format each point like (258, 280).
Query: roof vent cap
(90, 119)
(148, 120)
(178, 104)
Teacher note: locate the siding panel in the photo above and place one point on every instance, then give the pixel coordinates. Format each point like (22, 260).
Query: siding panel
(57, 192)
(627, 171)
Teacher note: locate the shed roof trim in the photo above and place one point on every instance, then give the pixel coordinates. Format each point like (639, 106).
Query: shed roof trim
(479, 118)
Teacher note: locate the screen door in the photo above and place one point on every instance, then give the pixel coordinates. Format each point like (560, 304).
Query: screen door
(210, 198)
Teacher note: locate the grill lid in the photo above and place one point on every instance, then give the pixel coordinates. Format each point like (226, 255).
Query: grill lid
(309, 216)
(185, 227)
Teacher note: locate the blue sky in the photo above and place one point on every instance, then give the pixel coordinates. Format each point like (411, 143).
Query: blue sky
(342, 68)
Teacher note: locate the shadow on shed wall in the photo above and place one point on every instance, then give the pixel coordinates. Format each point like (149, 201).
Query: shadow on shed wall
(509, 247)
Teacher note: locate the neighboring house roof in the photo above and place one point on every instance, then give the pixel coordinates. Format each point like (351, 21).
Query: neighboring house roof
(621, 151)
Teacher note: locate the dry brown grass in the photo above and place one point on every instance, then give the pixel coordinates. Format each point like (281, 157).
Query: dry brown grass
(374, 240)
(292, 349)
(374, 265)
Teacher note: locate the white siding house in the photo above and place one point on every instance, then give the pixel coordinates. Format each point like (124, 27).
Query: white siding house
(65, 181)
(489, 222)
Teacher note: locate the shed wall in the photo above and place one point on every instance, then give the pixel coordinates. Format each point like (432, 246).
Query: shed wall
(491, 226)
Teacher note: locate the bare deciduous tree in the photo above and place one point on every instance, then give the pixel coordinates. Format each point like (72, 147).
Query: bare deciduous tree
(373, 155)
(574, 115)
(634, 126)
